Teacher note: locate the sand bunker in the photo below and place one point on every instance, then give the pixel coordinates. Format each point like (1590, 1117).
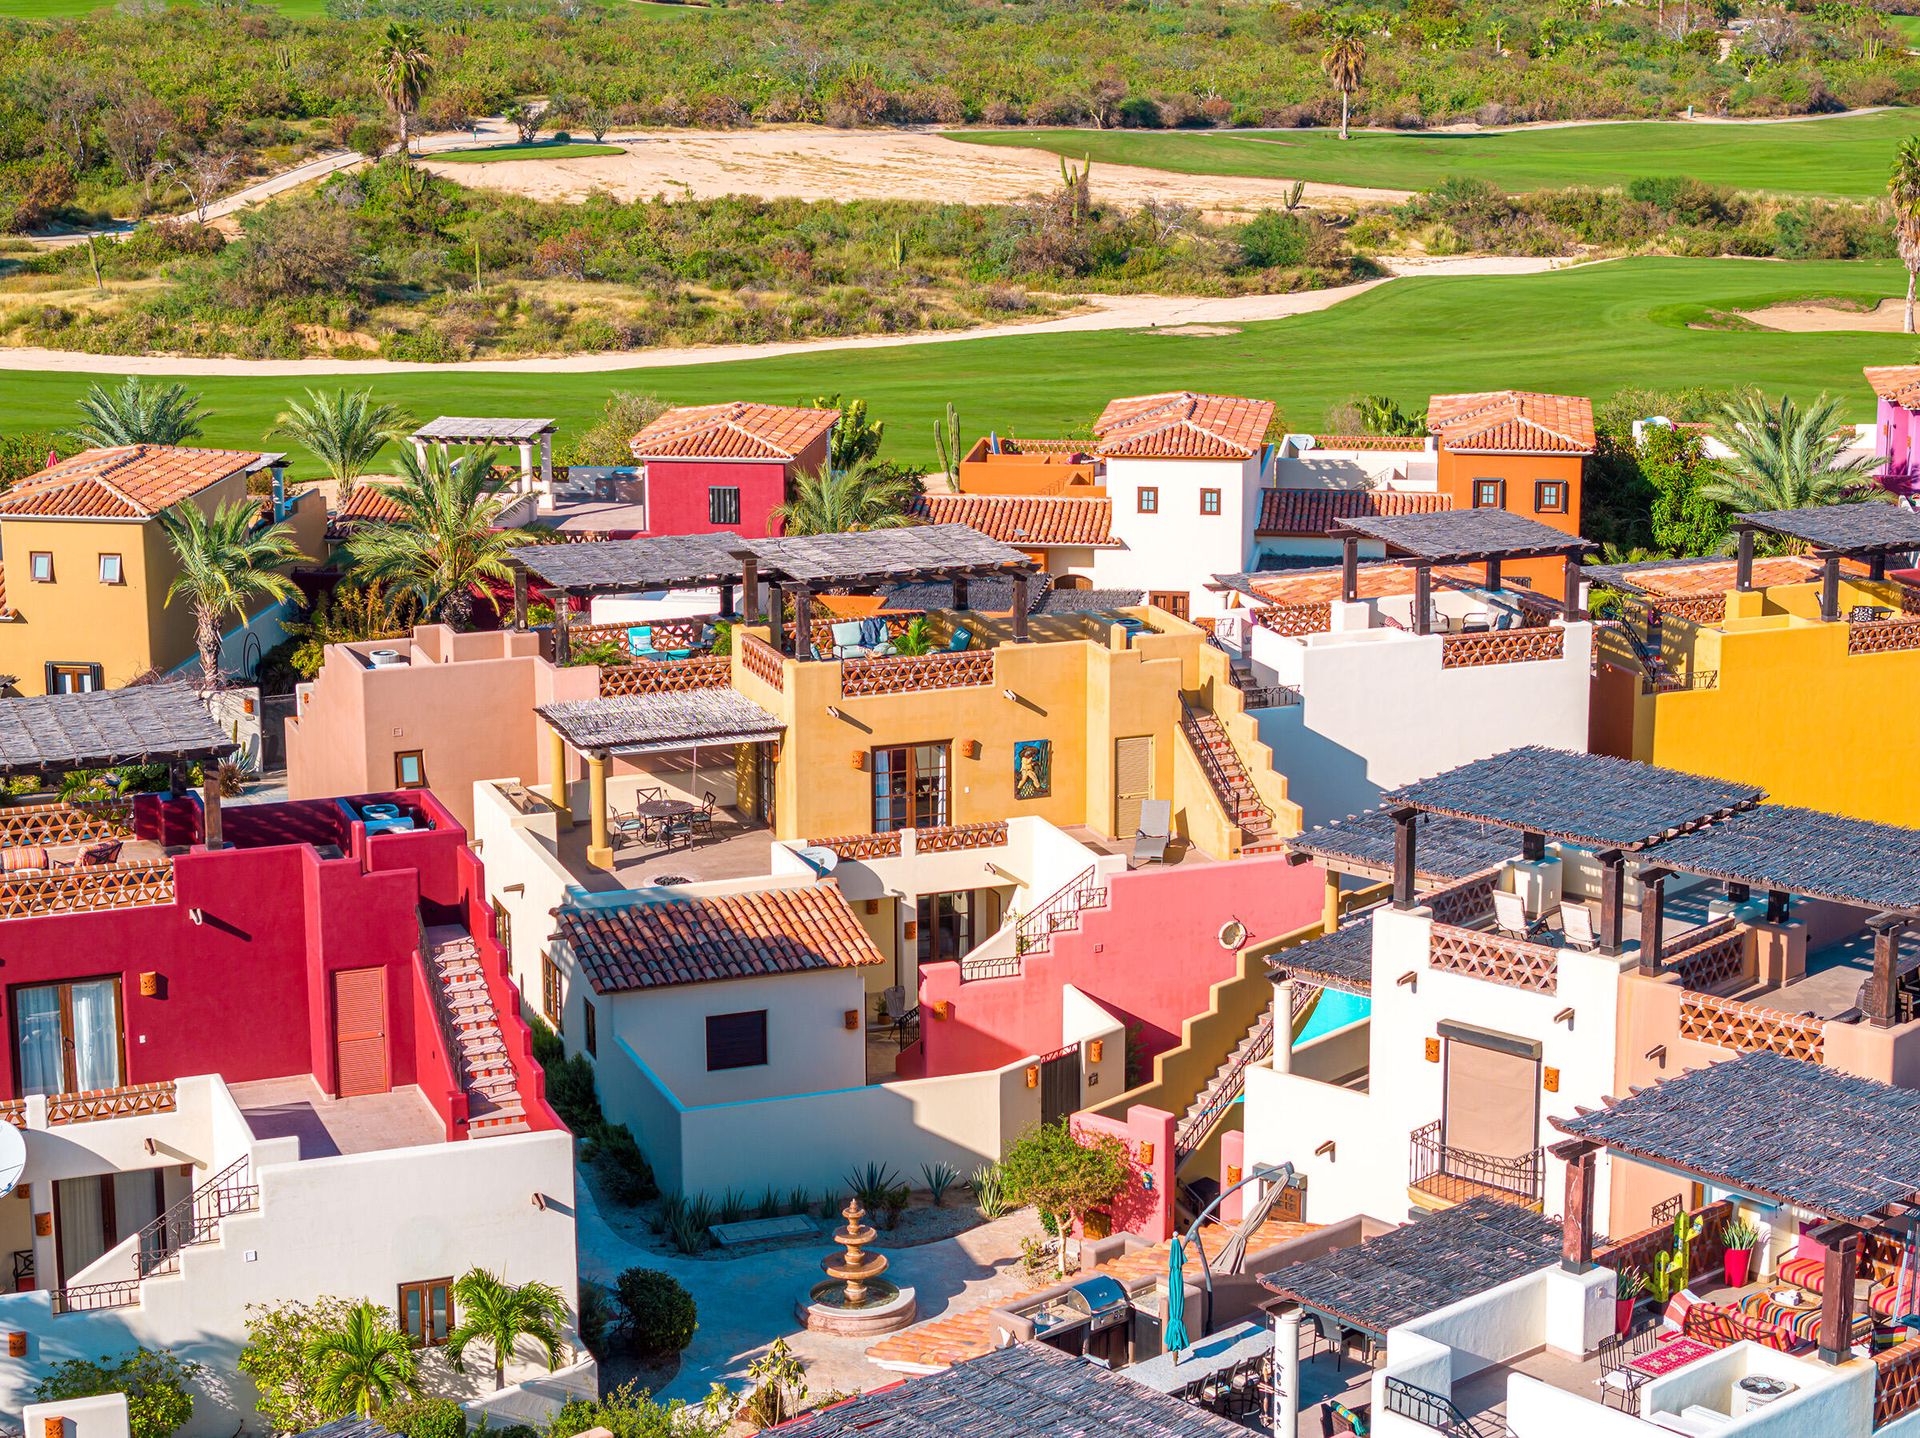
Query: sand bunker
(1815, 317)
(866, 165)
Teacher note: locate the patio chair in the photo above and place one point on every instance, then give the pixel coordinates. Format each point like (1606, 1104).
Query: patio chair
(846, 640)
(1510, 916)
(1504, 619)
(1576, 922)
(961, 641)
(876, 637)
(1155, 832)
(701, 819)
(678, 831)
(1616, 1380)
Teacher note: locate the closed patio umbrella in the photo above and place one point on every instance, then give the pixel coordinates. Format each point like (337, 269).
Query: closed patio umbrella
(1176, 1334)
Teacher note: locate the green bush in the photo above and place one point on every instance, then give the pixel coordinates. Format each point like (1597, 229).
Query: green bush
(570, 1090)
(656, 1311)
(155, 1383)
(426, 1418)
(613, 1150)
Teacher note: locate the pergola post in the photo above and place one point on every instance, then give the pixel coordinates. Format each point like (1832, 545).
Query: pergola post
(1576, 1217)
(562, 626)
(1349, 568)
(1403, 857)
(519, 601)
(778, 619)
(1877, 566)
(1330, 903)
(599, 850)
(802, 622)
(750, 587)
(210, 801)
(1533, 846)
(1836, 1293)
(1883, 988)
(1282, 1060)
(1422, 598)
(1286, 1370)
(557, 783)
(1743, 561)
(1570, 590)
(1653, 912)
(1613, 900)
(1779, 910)
(177, 784)
(1829, 588)
(1493, 574)
(546, 467)
(726, 601)
(961, 600)
(1020, 607)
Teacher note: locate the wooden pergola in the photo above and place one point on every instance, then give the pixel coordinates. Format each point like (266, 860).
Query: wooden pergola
(626, 566)
(1870, 532)
(1458, 537)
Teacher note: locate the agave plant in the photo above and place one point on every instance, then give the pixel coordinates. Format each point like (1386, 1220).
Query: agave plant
(872, 1184)
(989, 1190)
(940, 1177)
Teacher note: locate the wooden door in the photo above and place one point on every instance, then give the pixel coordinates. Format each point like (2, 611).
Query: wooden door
(360, 1031)
(1132, 783)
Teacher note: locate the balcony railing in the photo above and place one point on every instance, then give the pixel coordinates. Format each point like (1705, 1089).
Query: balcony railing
(131, 1101)
(72, 891)
(1883, 636)
(951, 838)
(1457, 1174)
(1750, 1028)
(66, 823)
(1059, 910)
(1437, 1411)
(1478, 954)
(1512, 646)
(1896, 1382)
(667, 676)
(1294, 620)
(913, 674)
(195, 1218)
(92, 1297)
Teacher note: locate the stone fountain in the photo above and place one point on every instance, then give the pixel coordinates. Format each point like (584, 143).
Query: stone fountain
(855, 1300)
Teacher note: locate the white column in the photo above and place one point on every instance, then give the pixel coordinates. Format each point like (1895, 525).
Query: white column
(546, 471)
(526, 468)
(1282, 1061)
(1286, 1373)
(420, 452)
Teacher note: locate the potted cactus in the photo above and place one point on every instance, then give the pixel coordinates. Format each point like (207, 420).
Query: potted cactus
(1628, 1285)
(1740, 1238)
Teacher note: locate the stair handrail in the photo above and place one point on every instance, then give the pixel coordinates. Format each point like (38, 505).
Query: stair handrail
(1227, 1087)
(158, 1245)
(436, 995)
(1438, 1412)
(1217, 775)
(1074, 897)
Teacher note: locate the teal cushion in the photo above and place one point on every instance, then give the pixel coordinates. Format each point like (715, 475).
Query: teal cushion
(639, 637)
(847, 634)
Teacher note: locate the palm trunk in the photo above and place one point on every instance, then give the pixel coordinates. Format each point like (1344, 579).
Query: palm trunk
(499, 1375)
(457, 609)
(1910, 275)
(1343, 114)
(207, 637)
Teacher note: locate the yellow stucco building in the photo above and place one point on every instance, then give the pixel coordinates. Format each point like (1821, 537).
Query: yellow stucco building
(87, 563)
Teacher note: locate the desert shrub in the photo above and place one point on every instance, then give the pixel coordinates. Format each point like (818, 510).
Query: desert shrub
(155, 1383)
(656, 1313)
(612, 1149)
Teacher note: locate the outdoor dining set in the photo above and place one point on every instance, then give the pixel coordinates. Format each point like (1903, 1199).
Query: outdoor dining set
(668, 823)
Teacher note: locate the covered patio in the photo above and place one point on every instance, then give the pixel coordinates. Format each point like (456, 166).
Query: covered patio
(524, 434)
(633, 726)
(1869, 533)
(567, 572)
(1484, 537)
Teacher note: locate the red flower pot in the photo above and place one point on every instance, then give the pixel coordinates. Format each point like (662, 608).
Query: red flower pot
(1739, 1263)
(1622, 1314)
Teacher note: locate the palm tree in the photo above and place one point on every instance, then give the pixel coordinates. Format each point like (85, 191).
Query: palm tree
(405, 65)
(137, 414)
(364, 1364)
(500, 1314)
(861, 496)
(1345, 61)
(226, 562)
(444, 542)
(1784, 457)
(345, 430)
(1903, 191)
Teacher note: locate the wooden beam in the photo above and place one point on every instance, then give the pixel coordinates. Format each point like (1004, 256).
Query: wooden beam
(1576, 1222)
(1836, 1294)
(562, 626)
(1404, 873)
(750, 587)
(1349, 568)
(519, 600)
(1423, 598)
(1570, 588)
(1653, 912)
(1883, 989)
(1830, 587)
(1493, 574)
(1020, 608)
(1613, 900)
(802, 622)
(1743, 563)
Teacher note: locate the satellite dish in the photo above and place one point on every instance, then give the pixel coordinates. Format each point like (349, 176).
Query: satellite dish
(1233, 934)
(13, 1157)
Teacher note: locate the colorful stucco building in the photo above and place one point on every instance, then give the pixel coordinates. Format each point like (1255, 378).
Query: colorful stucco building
(716, 468)
(89, 563)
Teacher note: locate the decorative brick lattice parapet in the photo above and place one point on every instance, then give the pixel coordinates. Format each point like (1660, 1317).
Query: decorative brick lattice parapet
(1468, 899)
(128, 1102)
(66, 823)
(1481, 955)
(947, 838)
(1896, 1382)
(912, 675)
(862, 846)
(1749, 1028)
(1711, 956)
(1508, 646)
(1294, 620)
(1883, 636)
(14, 1111)
(666, 676)
(762, 660)
(1707, 609)
(103, 886)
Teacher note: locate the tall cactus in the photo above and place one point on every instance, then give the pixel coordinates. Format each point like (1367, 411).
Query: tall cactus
(946, 438)
(1669, 1271)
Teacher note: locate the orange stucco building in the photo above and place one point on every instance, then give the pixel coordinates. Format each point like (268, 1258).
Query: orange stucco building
(1518, 451)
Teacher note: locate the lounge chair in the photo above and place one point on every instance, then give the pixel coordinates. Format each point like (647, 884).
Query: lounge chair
(1576, 921)
(846, 640)
(1156, 830)
(1510, 914)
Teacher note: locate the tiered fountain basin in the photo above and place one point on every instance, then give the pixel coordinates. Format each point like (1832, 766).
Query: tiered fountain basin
(854, 1301)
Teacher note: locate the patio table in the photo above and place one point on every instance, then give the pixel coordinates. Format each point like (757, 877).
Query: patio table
(664, 808)
(1676, 1353)
(1215, 1353)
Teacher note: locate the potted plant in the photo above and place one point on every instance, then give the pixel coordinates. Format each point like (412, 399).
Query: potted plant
(1740, 1238)
(1628, 1285)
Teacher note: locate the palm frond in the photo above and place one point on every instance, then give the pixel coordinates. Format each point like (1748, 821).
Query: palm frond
(137, 413)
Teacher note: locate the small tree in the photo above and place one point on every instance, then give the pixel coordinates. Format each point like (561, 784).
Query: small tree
(610, 439)
(277, 1356)
(345, 430)
(137, 413)
(403, 66)
(500, 1314)
(855, 436)
(1684, 520)
(864, 495)
(155, 1383)
(656, 1311)
(225, 564)
(363, 1365)
(1345, 62)
(526, 120)
(1064, 1175)
(1903, 198)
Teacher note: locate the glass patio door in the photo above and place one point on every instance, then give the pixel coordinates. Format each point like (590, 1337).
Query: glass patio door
(67, 1036)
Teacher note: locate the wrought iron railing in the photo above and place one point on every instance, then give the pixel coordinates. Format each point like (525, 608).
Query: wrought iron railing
(91, 1297)
(1439, 1412)
(1199, 1123)
(1270, 696)
(1060, 910)
(1522, 1178)
(194, 1219)
(1238, 798)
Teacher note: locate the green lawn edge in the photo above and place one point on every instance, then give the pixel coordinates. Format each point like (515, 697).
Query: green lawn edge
(487, 154)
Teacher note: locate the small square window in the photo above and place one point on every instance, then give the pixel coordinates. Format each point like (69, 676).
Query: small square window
(409, 769)
(1550, 497)
(1148, 498)
(1489, 494)
(723, 505)
(110, 569)
(736, 1041)
(1209, 501)
(40, 566)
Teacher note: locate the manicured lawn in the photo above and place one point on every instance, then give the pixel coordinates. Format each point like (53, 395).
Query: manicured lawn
(486, 154)
(1587, 331)
(64, 9)
(1908, 26)
(1844, 156)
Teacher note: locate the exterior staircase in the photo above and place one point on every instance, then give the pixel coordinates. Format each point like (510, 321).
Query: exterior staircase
(468, 1015)
(1207, 737)
(1217, 1094)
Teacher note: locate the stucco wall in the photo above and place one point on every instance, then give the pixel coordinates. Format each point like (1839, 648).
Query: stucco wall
(1179, 548)
(677, 501)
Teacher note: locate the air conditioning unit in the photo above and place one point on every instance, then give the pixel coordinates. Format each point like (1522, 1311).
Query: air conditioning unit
(385, 659)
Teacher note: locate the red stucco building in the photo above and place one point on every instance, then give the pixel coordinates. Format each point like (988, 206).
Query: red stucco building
(717, 468)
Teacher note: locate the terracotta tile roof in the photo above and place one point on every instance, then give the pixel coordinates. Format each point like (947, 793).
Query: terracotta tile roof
(653, 942)
(1313, 511)
(128, 482)
(1183, 425)
(1896, 383)
(735, 430)
(1714, 577)
(1028, 520)
(1383, 443)
(369, 502)
(1513, 422)
(1376, 581)
(957, 1337)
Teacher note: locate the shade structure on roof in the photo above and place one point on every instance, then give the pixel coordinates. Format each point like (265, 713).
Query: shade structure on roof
(1449, 848)
(464, 429)
(1774, 1127)
(1808, 852)
(879, 556)
(655, 723)
(1843, 528)
(1421, 1266)
(1589, 799)
(1341, 960)
(145, 724)
(618, 566)
(1461, 536)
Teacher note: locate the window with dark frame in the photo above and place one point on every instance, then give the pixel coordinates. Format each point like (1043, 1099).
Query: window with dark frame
(111, 571)
(68, 1037)
(590, 1031)
(910, 786)
(74, 678)
(1147, 497)
(550, 995)
(426, 1312)
(1489, 494)
(1209, 501)
(736, 1041)
(1550, 497)
(410, 769)
(40, 566)
(723, 504)
(503, 928)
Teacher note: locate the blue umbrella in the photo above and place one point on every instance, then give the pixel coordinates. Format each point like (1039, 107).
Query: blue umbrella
(1176, 1334)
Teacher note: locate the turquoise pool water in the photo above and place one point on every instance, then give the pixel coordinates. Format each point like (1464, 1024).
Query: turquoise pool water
(1334, 1010)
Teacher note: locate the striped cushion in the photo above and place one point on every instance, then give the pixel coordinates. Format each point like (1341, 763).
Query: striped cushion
(1892, 1301)
(1804, 1323)
(25, 856)
(1807, 1273)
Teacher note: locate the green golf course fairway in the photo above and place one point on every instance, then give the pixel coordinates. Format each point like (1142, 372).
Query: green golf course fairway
(1590, 330)
(1846, 156)
(540, 150)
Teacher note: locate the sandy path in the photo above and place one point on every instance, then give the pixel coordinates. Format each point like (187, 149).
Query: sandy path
(1102, 312)
(813, 164)
(1888, 317)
